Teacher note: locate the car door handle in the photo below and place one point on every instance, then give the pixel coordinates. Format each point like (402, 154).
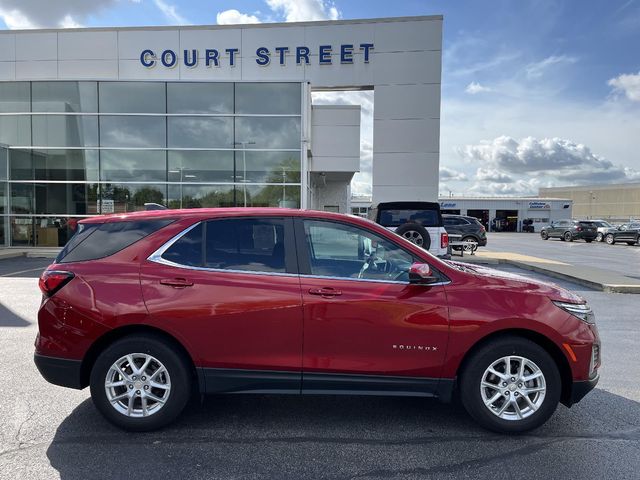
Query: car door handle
(176, 282)
(325, 292)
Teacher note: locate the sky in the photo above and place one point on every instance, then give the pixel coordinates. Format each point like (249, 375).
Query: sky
(535, 93)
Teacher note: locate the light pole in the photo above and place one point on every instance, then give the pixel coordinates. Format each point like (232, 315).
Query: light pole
(244, 144)
(181, 170)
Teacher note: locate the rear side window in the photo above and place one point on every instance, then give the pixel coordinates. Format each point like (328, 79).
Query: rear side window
(250, 244)
(99, 240)
(395, 218)
(188, 249)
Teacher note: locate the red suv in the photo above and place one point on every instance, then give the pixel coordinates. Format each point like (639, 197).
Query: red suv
(148, 308)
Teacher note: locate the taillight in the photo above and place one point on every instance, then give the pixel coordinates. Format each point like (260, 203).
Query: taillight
(444, 240)
(579, 229)
(482, 229)
(53, 280)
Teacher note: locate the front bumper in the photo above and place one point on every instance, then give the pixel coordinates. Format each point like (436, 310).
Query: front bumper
(580, 388)
(60, 371)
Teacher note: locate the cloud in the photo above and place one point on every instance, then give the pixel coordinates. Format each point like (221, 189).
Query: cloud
(627, 84)
(234, 17)
(24, 14)
(474, 88)
(558, 159)
(448, 174)
(290, 10)
(304, 10)
(537, 69)
(170, 12)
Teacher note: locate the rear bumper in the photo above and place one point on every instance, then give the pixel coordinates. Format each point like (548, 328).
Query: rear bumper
(60, 371)
(580, 388)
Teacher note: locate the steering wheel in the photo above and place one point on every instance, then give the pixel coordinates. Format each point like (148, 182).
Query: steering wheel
(370, 262)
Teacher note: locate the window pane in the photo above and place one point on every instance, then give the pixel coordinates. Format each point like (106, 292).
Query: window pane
(132, 97)
(22, 198)
(69, 165)
(200, 98)
(3, 203)
(4, 159)
(338, 250)
(15, 130)
(133, 132)
(395, 218)
(268, 132)
(200, 166)
(65, 131)
(200, 132)
(268, 98)
(201, 196)
(109, 238)
(285, 196)
(133, 165)
(245, 244)
(188, 249)
(15, 97)
(65, 97)
(268, 167)
(123, 198)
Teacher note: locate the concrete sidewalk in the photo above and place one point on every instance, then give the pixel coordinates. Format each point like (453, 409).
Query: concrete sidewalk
(597, 278)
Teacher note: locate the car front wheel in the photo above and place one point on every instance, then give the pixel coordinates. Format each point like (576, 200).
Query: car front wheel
(140, 383)
(510, 385)
(544, 235)
(609, 239)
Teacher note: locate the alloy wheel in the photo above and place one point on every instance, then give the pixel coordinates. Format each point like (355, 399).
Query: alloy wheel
(137, 385)
(414, 237)
(513, 388)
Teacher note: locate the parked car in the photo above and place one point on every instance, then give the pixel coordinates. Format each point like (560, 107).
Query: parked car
(570, 230)
(602, 226)
(146, 308)
(627, 232)
(469, 228)
(419, 222)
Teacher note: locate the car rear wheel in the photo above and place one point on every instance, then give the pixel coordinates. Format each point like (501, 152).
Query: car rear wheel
(599, 237)
(469, 241)
(510, 385)
(588, 240)
(568, 237)
(544, 235)
(140, 383)
(416, 234)
(609, 239)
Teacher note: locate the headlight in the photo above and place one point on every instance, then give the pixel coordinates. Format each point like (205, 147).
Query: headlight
(580, 310)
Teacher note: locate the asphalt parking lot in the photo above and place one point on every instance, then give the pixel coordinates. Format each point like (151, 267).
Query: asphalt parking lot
(51, 432)
(620, 258)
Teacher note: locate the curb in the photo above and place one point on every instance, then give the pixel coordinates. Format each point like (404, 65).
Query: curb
(603, 287)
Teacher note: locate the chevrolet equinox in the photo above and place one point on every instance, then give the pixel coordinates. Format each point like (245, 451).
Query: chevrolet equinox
(149, 307)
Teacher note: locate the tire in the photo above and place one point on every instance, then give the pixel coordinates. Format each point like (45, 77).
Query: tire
(568, 237)
(631, 243)
(139, 348)
(608, 238)
(469, 239)
(599, 237)
(588, 240)
(544, 235)
(494, 353)
(416, 234)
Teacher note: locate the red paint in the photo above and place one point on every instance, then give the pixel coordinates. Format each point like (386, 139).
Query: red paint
(273, 322)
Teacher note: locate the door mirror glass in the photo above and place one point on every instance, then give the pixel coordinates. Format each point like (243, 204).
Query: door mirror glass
(421, 274)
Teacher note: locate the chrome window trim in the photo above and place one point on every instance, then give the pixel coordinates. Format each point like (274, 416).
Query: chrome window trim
(156, 257)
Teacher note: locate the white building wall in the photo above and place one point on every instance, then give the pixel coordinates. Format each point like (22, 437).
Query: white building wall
(404, 69)
(335, 138)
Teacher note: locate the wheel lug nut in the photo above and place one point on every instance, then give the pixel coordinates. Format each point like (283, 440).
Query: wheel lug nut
(506, 393)
(519, 385)
(134, 377)
(130, 386)
(146, 387)
(137, 392)
(513, 379)
(504, 384)
(515, 394)
(144, 379)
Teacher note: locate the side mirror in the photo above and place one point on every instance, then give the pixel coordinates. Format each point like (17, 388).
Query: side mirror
(421, 274)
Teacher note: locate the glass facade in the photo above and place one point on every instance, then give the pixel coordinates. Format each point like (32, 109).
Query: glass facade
(70, 150)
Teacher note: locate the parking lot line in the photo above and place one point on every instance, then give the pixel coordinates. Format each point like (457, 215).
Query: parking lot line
(11, 274)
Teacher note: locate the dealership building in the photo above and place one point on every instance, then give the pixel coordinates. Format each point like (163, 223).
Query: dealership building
(509, 213)
(96, 121)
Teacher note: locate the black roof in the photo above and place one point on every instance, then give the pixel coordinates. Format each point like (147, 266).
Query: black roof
(409, 206)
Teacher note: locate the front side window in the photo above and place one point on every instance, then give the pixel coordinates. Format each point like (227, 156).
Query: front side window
(249, 244)
(345, 251)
